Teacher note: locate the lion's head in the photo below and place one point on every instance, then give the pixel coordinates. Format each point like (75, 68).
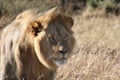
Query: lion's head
(53, 38)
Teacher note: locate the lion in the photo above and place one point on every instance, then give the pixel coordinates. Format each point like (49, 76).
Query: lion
(35, 44)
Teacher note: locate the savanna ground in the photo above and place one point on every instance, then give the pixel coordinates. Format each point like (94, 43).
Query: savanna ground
(97, 51)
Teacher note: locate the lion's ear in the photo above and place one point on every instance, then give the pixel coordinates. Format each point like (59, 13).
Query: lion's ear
(36, 27)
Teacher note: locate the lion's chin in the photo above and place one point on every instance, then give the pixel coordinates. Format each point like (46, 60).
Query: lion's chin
(60, 61)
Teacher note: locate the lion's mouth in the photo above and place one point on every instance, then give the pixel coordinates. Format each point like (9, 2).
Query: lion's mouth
(60, 61)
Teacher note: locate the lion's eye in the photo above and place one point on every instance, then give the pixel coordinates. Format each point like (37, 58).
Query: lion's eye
(66, 37)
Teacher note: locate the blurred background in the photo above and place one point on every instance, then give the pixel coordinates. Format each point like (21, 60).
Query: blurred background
(10, 8)
(96, 29)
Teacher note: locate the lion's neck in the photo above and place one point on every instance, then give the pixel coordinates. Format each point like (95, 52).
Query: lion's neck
(34, 70)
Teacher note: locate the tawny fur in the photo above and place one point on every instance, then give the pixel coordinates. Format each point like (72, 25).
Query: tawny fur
(26, 52)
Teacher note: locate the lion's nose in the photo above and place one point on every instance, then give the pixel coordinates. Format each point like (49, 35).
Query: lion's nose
(63, 51)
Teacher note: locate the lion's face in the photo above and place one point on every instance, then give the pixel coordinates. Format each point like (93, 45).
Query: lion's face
(61, 43)
(53, 40)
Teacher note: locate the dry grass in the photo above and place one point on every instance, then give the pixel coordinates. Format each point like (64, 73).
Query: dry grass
(97, 53)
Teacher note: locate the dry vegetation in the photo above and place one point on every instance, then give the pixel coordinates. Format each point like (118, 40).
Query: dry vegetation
(97, 53)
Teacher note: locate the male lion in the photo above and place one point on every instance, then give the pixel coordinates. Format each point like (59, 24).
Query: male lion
(35, 44)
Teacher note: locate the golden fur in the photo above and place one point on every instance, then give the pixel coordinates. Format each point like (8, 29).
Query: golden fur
(35, 44)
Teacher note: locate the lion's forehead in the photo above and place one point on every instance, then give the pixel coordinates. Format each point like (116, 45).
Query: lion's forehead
(58, 29)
